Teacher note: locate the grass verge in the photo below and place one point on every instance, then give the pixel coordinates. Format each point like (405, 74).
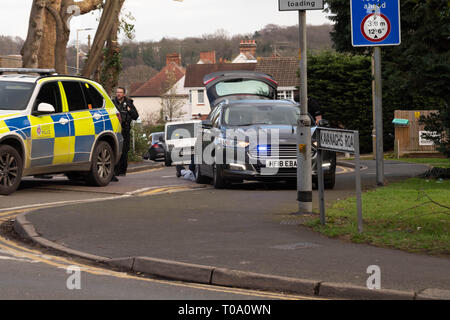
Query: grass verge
(412, 215)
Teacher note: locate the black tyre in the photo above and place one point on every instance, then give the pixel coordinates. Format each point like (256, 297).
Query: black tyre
(102, 169)
(167, 160)
(219, 182)
(199, 178)
(11, 169)
(330, 181)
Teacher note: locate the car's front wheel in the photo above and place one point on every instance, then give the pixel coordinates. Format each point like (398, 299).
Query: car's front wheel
(219, 182)
(11, 168)
(199, 178)
(102, 169)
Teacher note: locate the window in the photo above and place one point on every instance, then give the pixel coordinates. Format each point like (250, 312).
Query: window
(190, 96)
(201, 96)
(75, 96)
(93, 98)
(50, 94)
(15, 95)
(242, 86)
(264, 114)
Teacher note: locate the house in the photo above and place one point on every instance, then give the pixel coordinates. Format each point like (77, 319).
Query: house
(285, 71)
(148, 96)
(194, 83)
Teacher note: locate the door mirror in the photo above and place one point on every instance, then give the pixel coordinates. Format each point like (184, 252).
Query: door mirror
(45, 108)
(207, 124)
(324, 123)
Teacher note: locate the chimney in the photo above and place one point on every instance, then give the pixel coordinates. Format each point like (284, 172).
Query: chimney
(208, 57)
(248, 47)
(173, 57)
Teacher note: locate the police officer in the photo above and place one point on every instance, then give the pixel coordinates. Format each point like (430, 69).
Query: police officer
(128, 113)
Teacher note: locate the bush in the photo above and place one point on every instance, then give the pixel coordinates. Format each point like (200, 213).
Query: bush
(342, 84)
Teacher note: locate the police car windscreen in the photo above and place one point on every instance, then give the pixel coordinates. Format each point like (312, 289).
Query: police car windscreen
(15, 95)
(181, 131)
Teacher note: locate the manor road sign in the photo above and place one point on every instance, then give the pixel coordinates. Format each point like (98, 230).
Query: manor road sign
(375, 22)
(296, 5)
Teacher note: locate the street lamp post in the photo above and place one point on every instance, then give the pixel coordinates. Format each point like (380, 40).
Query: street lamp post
(78, 47)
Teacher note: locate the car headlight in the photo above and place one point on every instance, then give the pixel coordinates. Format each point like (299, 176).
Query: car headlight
(233, 143)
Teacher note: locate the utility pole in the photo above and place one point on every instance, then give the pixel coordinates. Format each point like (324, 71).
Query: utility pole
(304, 170)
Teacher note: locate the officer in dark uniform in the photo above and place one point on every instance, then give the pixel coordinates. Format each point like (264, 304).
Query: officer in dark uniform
(128, 113)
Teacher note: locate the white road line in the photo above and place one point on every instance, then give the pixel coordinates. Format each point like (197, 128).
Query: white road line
(17, 259)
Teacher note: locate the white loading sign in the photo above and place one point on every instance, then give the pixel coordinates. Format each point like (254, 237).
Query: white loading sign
(375, 27)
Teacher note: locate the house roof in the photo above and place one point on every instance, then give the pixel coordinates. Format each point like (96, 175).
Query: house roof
(154, 86)
(282, 69)
(196, 72)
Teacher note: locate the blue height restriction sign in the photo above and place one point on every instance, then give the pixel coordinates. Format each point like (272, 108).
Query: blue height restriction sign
(375, 22)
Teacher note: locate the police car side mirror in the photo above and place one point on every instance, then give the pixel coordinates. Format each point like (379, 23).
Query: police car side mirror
(45, 108)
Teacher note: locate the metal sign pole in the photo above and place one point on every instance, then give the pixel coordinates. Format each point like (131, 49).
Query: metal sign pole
(320, 185)
(379, 117)
(304, 170)
(358, 183)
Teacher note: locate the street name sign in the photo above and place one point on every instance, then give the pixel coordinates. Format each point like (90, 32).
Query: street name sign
(338, 140)
(296, 5)
(375, 22)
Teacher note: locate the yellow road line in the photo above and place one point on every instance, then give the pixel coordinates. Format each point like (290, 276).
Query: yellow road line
(39, 257)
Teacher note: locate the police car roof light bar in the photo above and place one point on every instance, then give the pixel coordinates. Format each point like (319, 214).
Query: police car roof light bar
(28, 70)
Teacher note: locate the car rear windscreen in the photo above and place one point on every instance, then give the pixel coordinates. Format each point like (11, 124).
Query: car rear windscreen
(181, 131)
(242, 86)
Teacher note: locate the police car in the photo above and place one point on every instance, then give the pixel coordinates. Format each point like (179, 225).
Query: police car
(53, 124)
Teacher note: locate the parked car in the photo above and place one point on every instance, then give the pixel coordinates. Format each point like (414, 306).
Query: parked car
(180, 138)
(244, 105)
(157, 148)
(52, 124)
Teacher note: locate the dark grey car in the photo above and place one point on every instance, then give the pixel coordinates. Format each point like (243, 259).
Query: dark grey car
(250, 136)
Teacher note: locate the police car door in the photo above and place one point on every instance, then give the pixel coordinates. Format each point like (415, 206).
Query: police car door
(50, 131)
(85, 123)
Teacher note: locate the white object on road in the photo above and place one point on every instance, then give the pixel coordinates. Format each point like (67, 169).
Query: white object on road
(188, 175)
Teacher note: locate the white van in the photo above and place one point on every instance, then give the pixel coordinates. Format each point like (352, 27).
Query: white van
(180, 138)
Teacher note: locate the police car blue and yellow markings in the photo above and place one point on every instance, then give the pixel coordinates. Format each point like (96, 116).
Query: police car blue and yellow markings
(49, 140)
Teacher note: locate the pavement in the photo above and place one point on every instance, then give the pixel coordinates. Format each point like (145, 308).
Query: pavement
(246, 236)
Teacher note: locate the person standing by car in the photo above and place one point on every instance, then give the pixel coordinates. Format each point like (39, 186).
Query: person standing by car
(128, 113)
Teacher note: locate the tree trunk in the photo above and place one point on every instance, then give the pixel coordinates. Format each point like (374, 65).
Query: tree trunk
(112, 64)
(30, 49)
(110, 16)
(48, 42)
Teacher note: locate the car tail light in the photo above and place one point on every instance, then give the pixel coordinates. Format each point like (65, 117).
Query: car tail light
(155, 145)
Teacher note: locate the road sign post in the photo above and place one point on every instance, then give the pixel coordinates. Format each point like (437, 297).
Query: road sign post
(304, 168)
(338, 140)
(376, 23)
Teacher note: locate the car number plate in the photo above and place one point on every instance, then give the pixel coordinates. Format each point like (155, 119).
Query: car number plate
(292, 163)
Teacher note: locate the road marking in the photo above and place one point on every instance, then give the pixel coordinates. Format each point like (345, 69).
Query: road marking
(62, 263)
(145, 171)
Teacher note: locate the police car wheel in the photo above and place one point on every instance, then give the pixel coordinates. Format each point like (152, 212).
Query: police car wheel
(11, 167)
(103, 162)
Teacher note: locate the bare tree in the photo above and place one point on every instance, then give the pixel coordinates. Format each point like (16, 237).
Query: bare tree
(171, 102)
(106, 31)
(30, 49)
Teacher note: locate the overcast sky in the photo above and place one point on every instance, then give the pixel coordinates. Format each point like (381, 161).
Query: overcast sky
(156, 19)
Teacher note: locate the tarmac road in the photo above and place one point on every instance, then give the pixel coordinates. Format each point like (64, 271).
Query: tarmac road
(248, 227)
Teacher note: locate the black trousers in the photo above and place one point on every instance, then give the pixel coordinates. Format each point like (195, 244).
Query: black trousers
(122, 165)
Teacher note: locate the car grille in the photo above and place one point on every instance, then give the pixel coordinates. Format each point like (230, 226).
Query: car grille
(283, 151)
